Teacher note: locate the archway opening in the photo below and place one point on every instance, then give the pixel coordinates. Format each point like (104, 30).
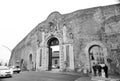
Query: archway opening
(96, 55)
(30, 62)
(30, 58)
(53, 46)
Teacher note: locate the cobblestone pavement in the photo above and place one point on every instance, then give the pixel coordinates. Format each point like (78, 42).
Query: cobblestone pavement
(111, 78)
(42, 76)
(56, 76)
(104, 79)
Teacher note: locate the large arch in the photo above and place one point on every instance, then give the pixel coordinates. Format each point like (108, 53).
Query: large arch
(94, 44)
(53, 58)
(65, 49)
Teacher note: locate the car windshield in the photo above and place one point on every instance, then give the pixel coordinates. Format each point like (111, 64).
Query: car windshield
(4, 68)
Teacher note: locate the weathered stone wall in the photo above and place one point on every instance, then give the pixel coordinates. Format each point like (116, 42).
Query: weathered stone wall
(96, 24)
(83, 26)
(26, 47)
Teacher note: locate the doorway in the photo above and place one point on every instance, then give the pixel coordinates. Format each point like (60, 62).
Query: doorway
(54, 60)
(30, 62)
(96, 55)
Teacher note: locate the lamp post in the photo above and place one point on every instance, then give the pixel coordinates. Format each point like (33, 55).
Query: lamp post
(6, 48)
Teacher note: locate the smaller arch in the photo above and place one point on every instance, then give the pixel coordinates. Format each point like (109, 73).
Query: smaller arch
(96, 53)
(97, 43)
(30, 62)
(92, 47)
(30, 58)
(87, 51)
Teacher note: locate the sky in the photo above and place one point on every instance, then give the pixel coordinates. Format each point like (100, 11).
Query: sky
(19, 17)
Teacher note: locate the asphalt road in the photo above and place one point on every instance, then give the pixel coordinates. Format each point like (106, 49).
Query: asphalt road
(42, 76)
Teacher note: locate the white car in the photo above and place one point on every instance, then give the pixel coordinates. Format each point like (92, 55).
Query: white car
(5, 71)
(15, 69)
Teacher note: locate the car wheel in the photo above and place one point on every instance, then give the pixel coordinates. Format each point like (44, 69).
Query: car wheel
(11, 76)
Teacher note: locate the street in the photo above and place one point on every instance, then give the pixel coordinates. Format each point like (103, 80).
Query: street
(42, 76)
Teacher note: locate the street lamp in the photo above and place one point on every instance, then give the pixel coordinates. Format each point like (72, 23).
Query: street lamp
(6, 47)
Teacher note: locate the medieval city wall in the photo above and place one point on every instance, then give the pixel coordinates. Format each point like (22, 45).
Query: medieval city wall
(83, 27)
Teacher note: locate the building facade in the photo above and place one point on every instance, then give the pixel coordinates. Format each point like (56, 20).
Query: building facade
(84, 37)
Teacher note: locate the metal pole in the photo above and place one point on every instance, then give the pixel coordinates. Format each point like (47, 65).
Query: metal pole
(6, 47)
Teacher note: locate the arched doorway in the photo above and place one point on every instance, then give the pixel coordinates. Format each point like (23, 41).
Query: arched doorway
(30, 61)
(30, 58)
(53, 46)
(96, 51)
(96, 55)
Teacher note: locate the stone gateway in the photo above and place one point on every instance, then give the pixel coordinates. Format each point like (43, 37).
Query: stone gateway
(82, 37)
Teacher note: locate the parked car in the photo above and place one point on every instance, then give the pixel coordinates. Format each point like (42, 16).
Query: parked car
(15, 69)
(5, 71)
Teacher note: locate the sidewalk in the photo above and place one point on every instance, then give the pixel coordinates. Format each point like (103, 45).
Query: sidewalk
(104, 79)
(111, 78)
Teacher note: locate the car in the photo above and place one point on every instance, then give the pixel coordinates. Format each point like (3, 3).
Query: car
(55, 66)
(15, 69)
(5, 71)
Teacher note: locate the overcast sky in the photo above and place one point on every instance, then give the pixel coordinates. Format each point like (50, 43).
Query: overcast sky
(19, 17)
